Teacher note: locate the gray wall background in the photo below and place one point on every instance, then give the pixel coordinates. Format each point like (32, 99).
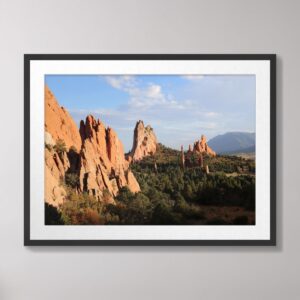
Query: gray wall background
(143, 26)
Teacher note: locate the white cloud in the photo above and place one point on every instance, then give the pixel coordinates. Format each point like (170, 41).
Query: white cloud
(124, 82)
(140, 95)
(172, 119)
(145, 97)
(154, 91)
(150, 96)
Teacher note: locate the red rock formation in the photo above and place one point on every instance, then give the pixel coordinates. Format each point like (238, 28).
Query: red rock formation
(200, 160)
(100, 162)
(103, 165)
(195, 157)
(144, 142)
(182, 158)
(55, 167)
(202, 147)
(59, 123)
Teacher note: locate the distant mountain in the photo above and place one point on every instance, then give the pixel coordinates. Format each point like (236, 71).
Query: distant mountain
(233, 142)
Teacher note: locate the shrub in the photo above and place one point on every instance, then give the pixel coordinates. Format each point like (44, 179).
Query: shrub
(72, 180)
(91, 217)
(163, 215)
(81, 209)
(125, 195)
(48, 146)
(107, 197)
(60, 146)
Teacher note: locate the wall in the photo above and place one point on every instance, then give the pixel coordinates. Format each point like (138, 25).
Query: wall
(143, 26)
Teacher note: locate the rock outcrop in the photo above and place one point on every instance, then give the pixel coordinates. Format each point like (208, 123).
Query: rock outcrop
(98, 158)
(56, 166)
(144, 142)
(182, 158)
(102, 161)
(202, 147)
(195, 157)
(59, 123)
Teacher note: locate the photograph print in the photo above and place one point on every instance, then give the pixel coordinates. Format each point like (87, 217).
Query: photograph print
(152, 151)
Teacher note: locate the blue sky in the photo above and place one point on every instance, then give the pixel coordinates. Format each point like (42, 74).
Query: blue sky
(179, 108)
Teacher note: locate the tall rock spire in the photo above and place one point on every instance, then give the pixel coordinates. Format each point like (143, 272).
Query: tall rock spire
(144, 142)
(99, 157)
(103, 164)
(182, 159)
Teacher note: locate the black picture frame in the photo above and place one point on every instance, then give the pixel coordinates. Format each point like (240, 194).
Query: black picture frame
(31, 57)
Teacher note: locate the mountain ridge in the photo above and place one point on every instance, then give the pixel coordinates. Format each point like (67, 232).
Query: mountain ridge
(233, 142)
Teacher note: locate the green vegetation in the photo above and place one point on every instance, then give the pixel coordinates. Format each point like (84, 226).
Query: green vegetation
(72, 180)
(170, 195)
(60, 147)
(48, 147)
(81, 210)
(231, 164)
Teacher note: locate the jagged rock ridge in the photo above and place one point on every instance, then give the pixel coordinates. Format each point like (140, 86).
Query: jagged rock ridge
(98, 157)
(144, 142)
(102, 161)
(59, 123)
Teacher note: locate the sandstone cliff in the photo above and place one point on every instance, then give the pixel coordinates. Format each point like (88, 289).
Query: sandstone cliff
(58, 126)
(98, 161)
(55, 167)
(144, 142)
(59, 123)
(102, 161)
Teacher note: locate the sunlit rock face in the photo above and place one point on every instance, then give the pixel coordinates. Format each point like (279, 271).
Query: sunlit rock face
(93, 152)
(102, 160)
(144, 142)
(201, 146)
(59, 123)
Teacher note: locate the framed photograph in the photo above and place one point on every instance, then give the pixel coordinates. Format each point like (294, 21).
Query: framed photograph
(150, 149)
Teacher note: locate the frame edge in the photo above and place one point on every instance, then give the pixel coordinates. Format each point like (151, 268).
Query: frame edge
(29, 242)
